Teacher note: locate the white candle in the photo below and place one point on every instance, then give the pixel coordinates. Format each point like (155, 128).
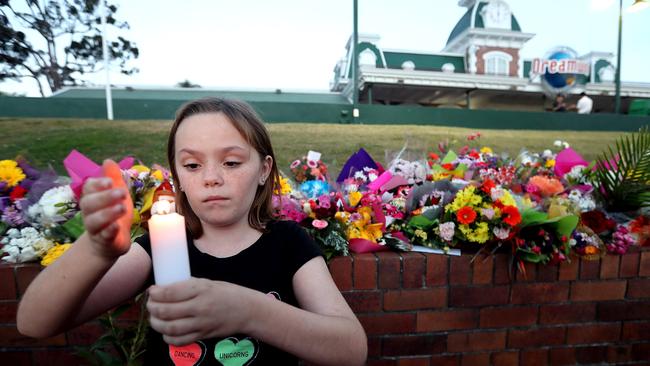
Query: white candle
(168, 245)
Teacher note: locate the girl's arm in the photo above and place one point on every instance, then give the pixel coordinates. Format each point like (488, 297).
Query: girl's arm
(89, 278)
(78, 287)
(325, 331)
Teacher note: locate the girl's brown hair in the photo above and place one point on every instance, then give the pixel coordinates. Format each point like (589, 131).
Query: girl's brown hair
(250, 126)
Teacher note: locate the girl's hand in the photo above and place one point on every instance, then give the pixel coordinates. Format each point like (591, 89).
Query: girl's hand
(195, 309)
(103, 208)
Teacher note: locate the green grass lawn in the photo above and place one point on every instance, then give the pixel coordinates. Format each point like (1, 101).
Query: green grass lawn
(48, 141)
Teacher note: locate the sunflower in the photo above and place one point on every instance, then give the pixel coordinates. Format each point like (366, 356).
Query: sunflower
(10, 173)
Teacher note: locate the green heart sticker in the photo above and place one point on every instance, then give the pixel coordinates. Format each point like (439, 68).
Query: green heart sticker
(233, 352)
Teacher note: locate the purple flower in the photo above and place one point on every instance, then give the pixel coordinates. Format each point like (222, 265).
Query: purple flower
(12, 216)
(324, 201)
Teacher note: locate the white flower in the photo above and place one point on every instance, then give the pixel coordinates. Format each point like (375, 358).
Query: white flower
(46, 210)
(447, 231)
(496, 193)
(557, 143)
(372, 177)
(501, 233)
(547, 154)
(566, 145)
(359, 175)
(27, 245)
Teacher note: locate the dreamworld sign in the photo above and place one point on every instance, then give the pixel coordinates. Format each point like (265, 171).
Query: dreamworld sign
(559, 70)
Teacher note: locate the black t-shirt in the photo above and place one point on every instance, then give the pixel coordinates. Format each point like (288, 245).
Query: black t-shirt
(268, 266)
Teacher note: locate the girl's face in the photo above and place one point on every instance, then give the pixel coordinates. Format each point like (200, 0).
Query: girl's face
(217, 169)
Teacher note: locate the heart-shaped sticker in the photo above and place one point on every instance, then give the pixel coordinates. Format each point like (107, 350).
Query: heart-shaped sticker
(232, 352)
(188, 355)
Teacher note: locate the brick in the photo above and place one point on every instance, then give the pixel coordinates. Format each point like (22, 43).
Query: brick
(382, 362)
(478, 359)
(476, 341)
(363, 301)
(414, 270)
(502, 270)
(7, 283)
(536, 337)
(415, 299)
(644, 266)
(638, 289)
(417, 361)
(16, 358)
(437, 269)
(389, 266)
(508, 358)
(341, 270)
(9, 337)
(56, 357)
(617, 354)
(8, 311)
(374, 346)
(482, 270)
(460, 270)
(25, 274)
(592, 354)
(85, 334)
(598, 291)
(562, 356)
(528, 274)
(438, 360)
(567, 313)
(609, 266)
(589, 269)
(433, 321)
(478, 296)
(365, 271)
(534, 357)
(569, 270)
(596, 333)
(507, 317)
(539, 293)
(413, 345)
(636, 331)
(623, 310)
(629, 265)
(547, 273)
(641, 351)
(395, 323)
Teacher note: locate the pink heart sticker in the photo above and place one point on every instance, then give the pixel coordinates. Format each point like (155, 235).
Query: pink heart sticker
(188, 355)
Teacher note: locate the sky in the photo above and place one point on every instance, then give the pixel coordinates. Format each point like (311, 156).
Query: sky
(295, 44)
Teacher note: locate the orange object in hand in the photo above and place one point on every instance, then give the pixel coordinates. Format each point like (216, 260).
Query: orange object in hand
(111, 170)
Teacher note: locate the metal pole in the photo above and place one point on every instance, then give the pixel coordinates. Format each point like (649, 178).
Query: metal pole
(617, 78)
(355, 63)
(109, 97)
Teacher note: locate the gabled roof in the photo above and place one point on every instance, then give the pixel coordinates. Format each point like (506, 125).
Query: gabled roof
(473, 19)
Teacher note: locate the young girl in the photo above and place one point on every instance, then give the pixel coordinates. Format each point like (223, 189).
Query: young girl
(260, 292)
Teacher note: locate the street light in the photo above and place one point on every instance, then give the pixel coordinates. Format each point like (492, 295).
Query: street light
(637, 6)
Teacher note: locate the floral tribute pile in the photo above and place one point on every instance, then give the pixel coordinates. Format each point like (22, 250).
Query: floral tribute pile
(540, 207)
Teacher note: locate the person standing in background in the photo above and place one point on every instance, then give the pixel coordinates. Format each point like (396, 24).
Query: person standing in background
(585, 104)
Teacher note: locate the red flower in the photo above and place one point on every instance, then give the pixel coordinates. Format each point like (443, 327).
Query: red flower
(17, 193)
(474, 155)
(487, 185)
(448, 166)
(433, 156)
(511, 215)
(466, 215)
(597, 221)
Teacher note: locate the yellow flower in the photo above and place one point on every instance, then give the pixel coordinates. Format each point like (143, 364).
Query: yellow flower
(479, 235)
(507, 199)
(464, 197)
(140, 168)
(486, 150)
(10, 173)
(342, 217)
(285, 187)
(550, 163)
(354, 198)
(54, 253)
(157, 174)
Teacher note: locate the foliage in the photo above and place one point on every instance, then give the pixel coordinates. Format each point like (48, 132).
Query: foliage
(58, 41)
(187, 84)
(623, 174)
(119, 345)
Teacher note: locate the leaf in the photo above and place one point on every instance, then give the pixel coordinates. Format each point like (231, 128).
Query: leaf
(422, 222)
(622, 177)
(74, 227)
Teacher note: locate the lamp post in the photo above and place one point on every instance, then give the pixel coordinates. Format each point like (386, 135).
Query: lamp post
(355, 63)
(638, 5)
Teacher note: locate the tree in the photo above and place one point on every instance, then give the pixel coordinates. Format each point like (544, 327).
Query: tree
(58, 41)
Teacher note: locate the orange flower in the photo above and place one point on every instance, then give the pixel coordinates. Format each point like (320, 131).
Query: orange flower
(511, 215)
(547, 186)
(466, 215)
(591, 250)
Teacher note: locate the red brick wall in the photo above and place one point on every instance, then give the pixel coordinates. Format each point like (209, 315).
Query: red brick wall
(433, 310)
(480, 62)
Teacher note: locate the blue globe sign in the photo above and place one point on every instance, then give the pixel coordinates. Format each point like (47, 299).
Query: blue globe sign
(559, 70)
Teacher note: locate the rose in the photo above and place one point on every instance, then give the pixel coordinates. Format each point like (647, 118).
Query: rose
(319, 224)
(597, 221)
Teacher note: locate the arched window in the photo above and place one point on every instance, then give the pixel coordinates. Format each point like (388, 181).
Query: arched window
(497, 63)
(367, 58)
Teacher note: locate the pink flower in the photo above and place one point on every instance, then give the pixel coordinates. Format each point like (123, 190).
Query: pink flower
(295, 164)
(312, 164)
(447, 231)
(501, 233)
(319, 224)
